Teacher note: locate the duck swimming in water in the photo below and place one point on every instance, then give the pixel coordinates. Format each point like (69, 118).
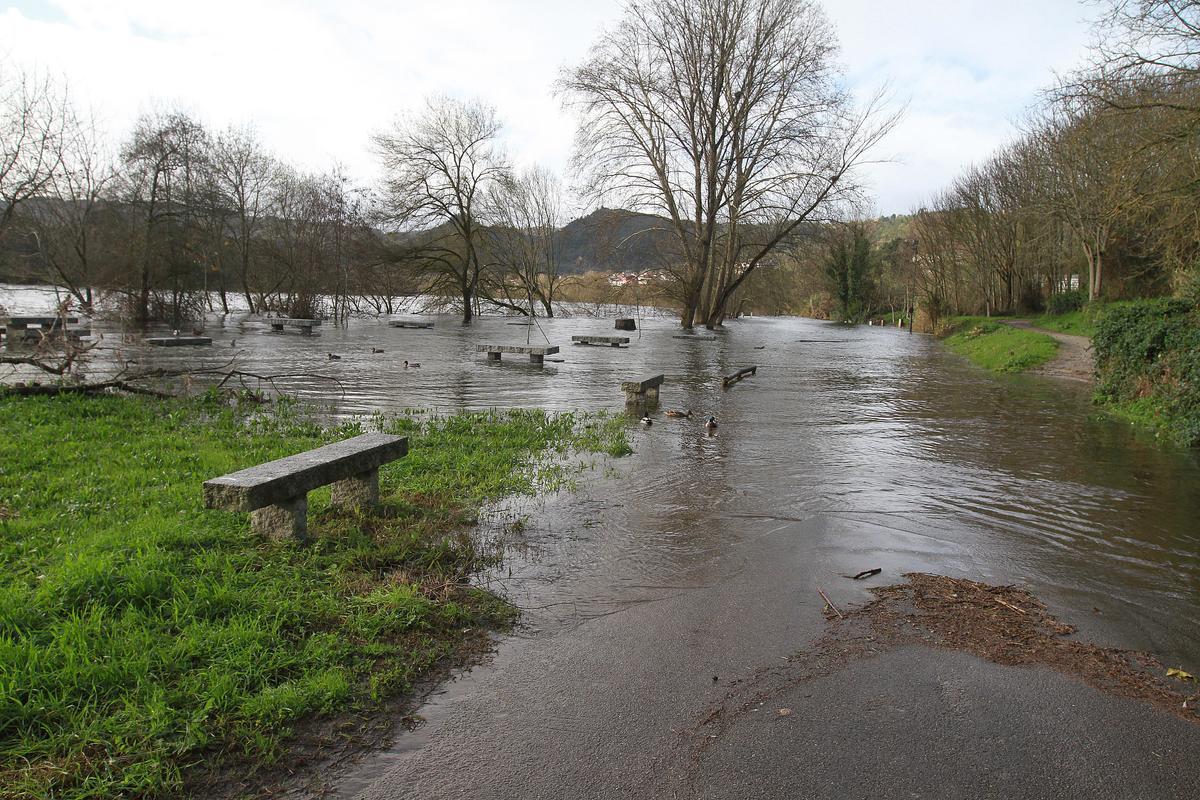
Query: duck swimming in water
(647, 421)
(376, 350)
(413, 365)
(679, 414)
(711, 423)
(332, 357)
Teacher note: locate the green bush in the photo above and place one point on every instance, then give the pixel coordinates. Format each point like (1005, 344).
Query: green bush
(1148, 360)
(1065, 302)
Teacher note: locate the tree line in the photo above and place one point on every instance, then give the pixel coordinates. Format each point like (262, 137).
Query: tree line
(1095, 199)
(724, 119)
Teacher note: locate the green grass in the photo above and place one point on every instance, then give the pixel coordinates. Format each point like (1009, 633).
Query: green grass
(141, 634)
(998, 347)
(1076, 323)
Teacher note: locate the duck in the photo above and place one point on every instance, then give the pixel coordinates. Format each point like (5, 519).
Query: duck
(413, 365)
(332, 357)
(647, 421)
(711, 423)
(376, 350)
(761, 347)
(679, 414)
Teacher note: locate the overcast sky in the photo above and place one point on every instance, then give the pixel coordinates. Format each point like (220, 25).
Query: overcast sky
(316, 77)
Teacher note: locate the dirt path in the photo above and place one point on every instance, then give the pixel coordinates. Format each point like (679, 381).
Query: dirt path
(1074, 360)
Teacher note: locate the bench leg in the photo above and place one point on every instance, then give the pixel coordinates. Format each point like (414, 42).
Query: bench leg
(359, 491)
(276, 328)
(282, 520)
(534, 358)
(306, 330)
(652, 394)
(494, 357)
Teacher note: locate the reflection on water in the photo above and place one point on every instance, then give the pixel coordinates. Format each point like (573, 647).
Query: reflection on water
(875, 444)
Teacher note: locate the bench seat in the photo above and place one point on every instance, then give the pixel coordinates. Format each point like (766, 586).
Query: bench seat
(276, 493)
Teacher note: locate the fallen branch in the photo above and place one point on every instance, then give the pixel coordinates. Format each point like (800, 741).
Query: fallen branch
(866, 573)
(1009, 605)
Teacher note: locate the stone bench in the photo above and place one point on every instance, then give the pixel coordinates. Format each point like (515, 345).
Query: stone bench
(626, 324)
(16, 328)
(536, 353)
(276, 493)
(611, 341)
(178, 341)
(639, 392)
(409, 323)
(745, 372)
(305, 325)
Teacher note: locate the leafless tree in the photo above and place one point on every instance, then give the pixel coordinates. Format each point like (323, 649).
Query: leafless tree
(34, 119)
(439, 165)
(724, 116)
(242, 173)
(522, 244)
(71, 222)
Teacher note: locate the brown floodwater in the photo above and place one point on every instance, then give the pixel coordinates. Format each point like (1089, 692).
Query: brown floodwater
(891, 451)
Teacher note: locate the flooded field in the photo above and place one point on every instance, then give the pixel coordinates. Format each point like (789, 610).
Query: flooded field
(876, 444)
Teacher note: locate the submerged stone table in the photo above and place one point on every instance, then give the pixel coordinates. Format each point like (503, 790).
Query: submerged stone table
(276, 493)
(305, 325)
(536, 353)
(178, 341)
(611, 341)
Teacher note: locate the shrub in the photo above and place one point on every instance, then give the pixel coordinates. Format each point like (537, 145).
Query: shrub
(1065, 302)
(1148, 356)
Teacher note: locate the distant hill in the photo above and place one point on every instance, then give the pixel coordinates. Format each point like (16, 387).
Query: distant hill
(614, 240)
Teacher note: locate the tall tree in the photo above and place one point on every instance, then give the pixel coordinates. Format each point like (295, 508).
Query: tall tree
(35, 119)
(439, 165)
(724, 116)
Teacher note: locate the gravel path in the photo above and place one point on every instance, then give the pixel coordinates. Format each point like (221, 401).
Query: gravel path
(1074, 359)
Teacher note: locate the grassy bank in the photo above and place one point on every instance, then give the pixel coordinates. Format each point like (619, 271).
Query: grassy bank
(995, 346)
(1148, 366)
(141, 634)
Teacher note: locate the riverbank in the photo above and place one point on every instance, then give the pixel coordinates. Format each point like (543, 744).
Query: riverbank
(141, 634)
(989, 343)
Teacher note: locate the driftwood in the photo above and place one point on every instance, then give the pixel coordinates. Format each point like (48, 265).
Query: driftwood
(829, 603)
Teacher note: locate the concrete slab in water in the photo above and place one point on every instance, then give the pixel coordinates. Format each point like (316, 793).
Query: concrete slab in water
(178, 341)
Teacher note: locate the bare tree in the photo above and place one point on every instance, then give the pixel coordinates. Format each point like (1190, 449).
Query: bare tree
(163, 170)
(725, 117)
(523, 243)
(71, 221)
(34, 118)
(439, 165)
(241, 172)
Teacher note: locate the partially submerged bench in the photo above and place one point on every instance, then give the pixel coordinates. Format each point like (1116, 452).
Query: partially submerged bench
(305, 325)
(638, 392)
(276, 493)
(745, 372)
(409, 323)
(695, 337)
(611, 341)
(626, 324)
(17, 328)
(178, 341)
(536, 353)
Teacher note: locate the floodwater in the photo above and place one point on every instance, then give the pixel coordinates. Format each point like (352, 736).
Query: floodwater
(898, 454)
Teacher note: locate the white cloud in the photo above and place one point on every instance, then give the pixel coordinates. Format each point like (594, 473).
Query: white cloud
(317, 77)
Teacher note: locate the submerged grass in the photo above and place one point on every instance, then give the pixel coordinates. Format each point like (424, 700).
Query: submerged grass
(141, 634)
(998, 347)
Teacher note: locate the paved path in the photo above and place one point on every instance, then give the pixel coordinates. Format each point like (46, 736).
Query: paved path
(1074, 360)
(617, 708)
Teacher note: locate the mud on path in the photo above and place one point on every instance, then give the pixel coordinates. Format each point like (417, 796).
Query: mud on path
(1074, 359)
